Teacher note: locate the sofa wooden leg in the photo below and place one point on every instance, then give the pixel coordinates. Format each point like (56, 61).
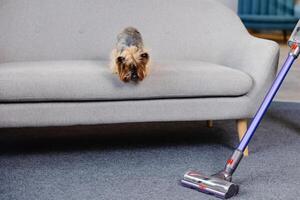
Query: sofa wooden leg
(241, 126)
(209, 123)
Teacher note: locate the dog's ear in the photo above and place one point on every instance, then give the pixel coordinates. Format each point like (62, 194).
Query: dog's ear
(120, 59)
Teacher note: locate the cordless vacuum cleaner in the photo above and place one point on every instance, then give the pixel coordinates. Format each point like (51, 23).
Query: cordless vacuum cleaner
(220, 184)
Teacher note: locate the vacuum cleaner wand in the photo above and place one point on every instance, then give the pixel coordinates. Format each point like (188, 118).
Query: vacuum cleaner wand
(220, 184)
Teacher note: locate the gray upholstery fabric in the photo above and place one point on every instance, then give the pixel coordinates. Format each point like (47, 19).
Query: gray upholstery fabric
(173, 30)
(83, 113)
(93, 80)
(76, 29)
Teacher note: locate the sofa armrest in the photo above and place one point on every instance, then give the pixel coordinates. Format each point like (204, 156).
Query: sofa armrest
(258, 58)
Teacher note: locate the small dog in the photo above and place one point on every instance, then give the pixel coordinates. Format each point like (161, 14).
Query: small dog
(130, 60)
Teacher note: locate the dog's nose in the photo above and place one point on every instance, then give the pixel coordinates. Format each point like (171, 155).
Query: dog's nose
(134, 77)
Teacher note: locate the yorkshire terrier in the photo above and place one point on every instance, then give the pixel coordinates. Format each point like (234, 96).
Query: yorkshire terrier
(130, 60)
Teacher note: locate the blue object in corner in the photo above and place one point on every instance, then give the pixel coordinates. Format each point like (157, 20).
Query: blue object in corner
(269, 14)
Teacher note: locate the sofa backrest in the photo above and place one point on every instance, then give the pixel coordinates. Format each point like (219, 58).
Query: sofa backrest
(87, 29)
(266, 7)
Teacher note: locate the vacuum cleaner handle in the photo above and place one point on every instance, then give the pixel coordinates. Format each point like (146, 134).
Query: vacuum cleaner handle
(295, 37)
(233, 161)
(294, 43)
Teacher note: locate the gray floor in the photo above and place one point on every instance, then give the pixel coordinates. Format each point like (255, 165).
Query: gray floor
(145, 161)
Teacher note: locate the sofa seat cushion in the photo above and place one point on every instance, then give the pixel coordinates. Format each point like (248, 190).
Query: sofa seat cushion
(88, 80)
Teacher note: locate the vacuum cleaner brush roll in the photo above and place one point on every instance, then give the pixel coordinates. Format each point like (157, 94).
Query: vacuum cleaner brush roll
(210, 185)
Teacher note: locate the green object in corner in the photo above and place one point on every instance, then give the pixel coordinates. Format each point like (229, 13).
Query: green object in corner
(269, 14)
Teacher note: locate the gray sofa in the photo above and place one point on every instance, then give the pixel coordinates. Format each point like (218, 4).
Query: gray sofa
(54, 63)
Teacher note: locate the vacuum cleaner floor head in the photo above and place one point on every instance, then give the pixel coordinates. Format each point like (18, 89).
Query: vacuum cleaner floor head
(212, 185)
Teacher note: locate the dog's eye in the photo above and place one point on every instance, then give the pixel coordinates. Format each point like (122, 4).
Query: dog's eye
(144, 55)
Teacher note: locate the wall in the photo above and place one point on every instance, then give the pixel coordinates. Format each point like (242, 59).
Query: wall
(231, 4)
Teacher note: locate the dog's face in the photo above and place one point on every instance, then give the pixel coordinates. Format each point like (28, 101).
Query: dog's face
(132, 64)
